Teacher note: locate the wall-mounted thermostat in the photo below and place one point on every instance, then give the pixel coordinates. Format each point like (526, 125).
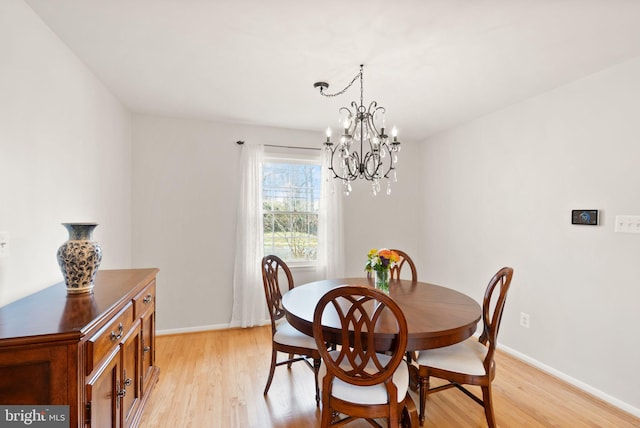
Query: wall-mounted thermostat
(586, 217)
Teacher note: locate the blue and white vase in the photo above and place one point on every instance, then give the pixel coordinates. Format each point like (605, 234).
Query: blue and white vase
(79, 258)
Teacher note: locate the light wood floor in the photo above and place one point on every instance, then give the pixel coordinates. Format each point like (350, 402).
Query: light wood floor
(216, 379)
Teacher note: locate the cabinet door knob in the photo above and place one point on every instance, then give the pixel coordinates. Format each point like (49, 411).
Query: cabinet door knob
(148, 298)
(128, 381)
(146, 349)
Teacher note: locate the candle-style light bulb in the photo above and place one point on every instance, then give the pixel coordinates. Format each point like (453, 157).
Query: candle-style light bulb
(394, 132)
(345, 119)
(328, 132)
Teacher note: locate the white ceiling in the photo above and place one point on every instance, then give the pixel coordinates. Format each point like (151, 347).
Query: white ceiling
(432, 63)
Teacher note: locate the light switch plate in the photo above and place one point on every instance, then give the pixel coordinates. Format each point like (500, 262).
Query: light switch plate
(627, 224)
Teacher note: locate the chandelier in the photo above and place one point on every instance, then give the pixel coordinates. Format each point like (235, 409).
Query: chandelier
(365, 126)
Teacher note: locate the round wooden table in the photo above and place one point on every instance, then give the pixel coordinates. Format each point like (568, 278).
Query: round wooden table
(436, 316)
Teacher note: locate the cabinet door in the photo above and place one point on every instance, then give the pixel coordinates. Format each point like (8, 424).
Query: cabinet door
(130, 391)
(103, 394)
(35, 375)
(148, 348)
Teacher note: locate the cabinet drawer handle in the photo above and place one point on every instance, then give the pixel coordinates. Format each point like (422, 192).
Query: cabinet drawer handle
(148, 298)
(117, 336)
(146, 349)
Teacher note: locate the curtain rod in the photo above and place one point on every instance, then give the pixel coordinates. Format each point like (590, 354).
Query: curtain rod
(240, 142)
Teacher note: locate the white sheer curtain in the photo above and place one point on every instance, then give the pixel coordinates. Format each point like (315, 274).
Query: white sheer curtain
(330, 263)
(248, 293)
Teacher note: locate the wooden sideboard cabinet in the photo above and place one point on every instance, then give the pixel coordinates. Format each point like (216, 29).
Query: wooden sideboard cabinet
(93, 352)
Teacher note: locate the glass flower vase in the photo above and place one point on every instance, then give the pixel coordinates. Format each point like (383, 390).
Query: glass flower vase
(382, 280)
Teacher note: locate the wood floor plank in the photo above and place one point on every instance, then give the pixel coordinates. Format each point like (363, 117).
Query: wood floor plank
(216, 379)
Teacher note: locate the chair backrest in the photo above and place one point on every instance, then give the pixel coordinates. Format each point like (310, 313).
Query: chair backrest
(361, 311)
(404, 258)
(492, 309)
(272, 266)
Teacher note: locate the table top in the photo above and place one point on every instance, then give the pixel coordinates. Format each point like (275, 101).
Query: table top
(53, 312)
(436, 316)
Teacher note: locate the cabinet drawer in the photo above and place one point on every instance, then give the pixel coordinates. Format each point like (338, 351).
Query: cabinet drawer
(108, 336)
(146, 299)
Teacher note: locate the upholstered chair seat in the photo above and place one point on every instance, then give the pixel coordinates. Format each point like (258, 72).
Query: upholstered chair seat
(287, 335)
(374, 394)
(465, 357)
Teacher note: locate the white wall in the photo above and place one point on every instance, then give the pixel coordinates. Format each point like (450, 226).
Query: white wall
(185, 186)
(65, 155)
(500, 190)
(185, 190)
(384, 221)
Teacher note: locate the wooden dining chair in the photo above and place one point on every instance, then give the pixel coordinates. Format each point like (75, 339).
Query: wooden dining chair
(394, 272)
(404, 259)
(469, 362)
(356, 381)
(285, 338)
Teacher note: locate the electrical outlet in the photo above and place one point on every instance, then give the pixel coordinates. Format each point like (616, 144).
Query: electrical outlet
(525, 320)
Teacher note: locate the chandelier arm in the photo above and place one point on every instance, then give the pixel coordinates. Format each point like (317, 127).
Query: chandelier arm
(350, 116)
(351, 174)
(367, 175)
(390, 157)
(356, 163)
(335, 174)
(376, 174)
(382, 167)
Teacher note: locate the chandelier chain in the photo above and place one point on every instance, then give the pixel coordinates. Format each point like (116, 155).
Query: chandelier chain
(359, 75)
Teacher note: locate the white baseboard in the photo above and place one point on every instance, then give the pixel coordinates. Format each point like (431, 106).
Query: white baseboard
(192, 329)
(199, 328)
(572, 381)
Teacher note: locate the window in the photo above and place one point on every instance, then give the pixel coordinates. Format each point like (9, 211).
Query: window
(290, 199)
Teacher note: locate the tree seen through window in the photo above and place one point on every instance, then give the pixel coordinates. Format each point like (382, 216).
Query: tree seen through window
(290, 197)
